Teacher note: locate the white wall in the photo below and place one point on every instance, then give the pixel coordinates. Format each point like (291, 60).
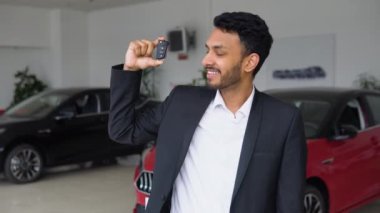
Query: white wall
(69, 49)
(75, 64)
(110, 32)
(53, 43)
(73, 48)
(24, 26)
(355, 24)
(13, 59)
(24, 41)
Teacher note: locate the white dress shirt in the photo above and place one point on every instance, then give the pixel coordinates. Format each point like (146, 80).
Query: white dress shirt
(206, 180)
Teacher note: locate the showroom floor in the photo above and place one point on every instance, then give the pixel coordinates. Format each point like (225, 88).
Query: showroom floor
(77, 190)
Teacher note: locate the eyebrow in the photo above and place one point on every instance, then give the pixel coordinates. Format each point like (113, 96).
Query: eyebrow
(217, 47)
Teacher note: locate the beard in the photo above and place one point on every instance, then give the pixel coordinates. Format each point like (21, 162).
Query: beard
(228, 79)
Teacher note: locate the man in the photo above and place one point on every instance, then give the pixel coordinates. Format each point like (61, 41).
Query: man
(222, 148)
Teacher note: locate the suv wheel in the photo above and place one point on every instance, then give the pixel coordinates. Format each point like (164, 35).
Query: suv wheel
(314, 202)
(23, 164)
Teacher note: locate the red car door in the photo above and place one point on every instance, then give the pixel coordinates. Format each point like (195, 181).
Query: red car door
(352, 164)
(374, 114)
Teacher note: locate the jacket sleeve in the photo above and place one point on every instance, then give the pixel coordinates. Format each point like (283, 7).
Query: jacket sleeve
(292, 178)
(125, 125)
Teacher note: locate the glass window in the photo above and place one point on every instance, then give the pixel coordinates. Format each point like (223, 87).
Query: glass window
(352, 115)
(38, 105)
(374, 105)
(314, 110)
(313, 113)
(105, 97)
(87, 104)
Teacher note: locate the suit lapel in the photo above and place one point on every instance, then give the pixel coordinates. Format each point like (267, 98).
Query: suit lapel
(194, 115)
(249, 141)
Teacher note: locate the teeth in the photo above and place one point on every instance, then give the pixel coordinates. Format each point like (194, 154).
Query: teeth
(213, 71)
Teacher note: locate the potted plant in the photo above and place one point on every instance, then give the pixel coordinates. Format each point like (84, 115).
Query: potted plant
(26, 85)
(366, 81)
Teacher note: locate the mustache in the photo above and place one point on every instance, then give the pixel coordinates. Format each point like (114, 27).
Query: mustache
(211, 68)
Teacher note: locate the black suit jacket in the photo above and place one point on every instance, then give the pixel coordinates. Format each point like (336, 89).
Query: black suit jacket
(272, 164)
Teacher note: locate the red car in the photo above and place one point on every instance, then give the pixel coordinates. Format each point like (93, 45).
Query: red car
(342, 127)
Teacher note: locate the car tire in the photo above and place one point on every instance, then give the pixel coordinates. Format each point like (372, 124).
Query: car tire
(314, 202)
(23, 164)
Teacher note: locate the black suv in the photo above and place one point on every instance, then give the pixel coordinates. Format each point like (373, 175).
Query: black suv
(57, 127)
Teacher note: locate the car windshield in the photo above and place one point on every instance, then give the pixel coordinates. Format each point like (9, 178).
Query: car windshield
(313, 113)
(37, 105)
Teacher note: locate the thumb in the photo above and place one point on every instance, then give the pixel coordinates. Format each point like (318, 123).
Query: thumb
(149, 62)
(157, 63)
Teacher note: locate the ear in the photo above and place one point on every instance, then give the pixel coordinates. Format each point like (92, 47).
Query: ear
(251, 62)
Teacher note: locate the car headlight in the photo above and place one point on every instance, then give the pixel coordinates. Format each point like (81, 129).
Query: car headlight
(2, 130)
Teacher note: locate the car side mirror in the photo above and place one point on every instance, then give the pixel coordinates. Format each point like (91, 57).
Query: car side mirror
(345, 132)
(64, 116)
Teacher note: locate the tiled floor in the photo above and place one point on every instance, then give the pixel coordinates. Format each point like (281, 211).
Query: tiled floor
(70, 189)
(90, 190)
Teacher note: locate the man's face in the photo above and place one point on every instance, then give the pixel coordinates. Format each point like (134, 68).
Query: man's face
(223, 59)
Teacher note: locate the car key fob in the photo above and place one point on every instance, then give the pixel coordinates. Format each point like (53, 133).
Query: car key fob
(162, 47)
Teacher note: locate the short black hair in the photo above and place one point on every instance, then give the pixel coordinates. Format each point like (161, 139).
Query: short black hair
(252, 30)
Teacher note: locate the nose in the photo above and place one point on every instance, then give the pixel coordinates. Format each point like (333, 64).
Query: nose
(207, 60)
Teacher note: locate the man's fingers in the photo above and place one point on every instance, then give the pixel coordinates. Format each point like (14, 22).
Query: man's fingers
(142, 47)
(158, 39)
(145, 47)
(150, 49)
(135, 46)
(139, 55)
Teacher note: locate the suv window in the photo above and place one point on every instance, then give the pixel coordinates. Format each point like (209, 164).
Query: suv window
(38, 105)
(87, 104)
(352, 115)
(105, 99)
(313, 114)
(82, 105)
(374, 105)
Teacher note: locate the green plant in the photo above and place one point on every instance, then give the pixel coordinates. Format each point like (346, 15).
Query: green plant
(26, 85)
(366, 81)
(202, 80)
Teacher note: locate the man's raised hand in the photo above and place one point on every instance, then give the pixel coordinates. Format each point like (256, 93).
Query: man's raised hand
(139, 55)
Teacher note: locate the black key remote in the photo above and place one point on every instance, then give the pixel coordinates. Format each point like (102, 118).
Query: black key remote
(162, 46)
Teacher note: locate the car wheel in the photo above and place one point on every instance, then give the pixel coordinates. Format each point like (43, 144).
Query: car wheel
(314, 201)
(23, 164)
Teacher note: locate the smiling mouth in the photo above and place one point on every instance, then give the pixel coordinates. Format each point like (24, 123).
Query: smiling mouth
(212, 73)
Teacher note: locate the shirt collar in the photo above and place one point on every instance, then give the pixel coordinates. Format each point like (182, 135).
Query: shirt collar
(245, 108)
